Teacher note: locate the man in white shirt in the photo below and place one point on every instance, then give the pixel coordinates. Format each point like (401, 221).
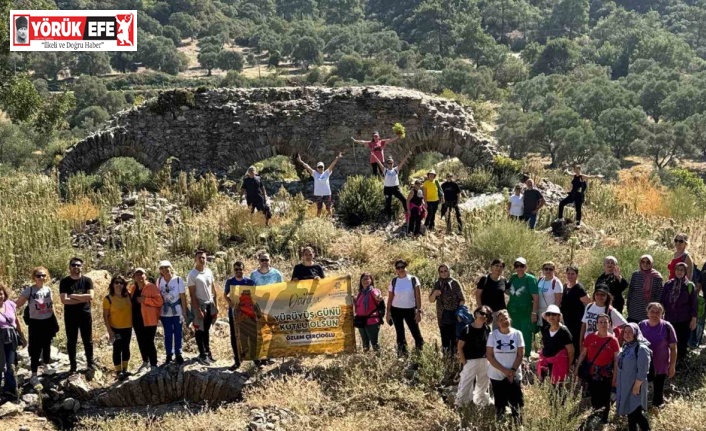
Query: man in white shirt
(202, 290)
(322, 188)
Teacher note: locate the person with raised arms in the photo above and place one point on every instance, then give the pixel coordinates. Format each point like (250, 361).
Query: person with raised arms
(391, 183)
(322, 187)
(377, 147)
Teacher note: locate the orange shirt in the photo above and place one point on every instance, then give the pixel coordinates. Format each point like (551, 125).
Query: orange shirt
(152, 307)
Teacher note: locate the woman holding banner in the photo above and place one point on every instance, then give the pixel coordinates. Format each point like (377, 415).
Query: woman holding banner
(367, 317)
(307, 269)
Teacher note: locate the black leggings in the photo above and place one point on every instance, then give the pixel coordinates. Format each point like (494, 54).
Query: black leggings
(121, 345)
(40, 336)
(389, 193)
(233, 339)
(145, 341)
(577, 200)
(376, 169)
(448, 337)
(600, 395)
(682, 331)
(432, 207)
(79, 321)
(508, 394)
(399, 317)
(658, 396)
(203, 340)
(415, 220)
(638, 419)
(452, 206)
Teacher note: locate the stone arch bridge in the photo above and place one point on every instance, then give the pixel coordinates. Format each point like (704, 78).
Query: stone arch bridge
(226, 130)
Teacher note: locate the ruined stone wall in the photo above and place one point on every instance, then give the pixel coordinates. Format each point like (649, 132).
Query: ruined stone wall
(226, 130)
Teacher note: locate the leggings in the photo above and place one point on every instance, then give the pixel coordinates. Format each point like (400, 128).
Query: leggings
(682, 331)
(448, 337)
(79, 321)
(452, 206)
(145, 341)
(415, 219)
(600, 395)
(40, 336)
(577, 200)
(508, 394)
(369, 335)
(658, 396)
(393, 191)
(121, 346)
(400, 316)
(638, 419)
(233, 337)
(376, 169)
(431, 217)
(203, 340)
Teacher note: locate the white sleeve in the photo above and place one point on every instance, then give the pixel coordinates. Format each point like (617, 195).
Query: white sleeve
(558, 287)
(182, 288)
(190, 280)
(491, 340)
(520, 339)
(618, 319)
(584, 319)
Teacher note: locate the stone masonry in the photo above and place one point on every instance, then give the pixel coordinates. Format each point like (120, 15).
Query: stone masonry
(226, 130)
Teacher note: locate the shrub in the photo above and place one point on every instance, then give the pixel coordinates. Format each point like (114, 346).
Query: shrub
(479, 181)
(679, 177)
(603, 164)
(506, 239)
(360, 201)
(127, 173)
(683, 203)
(277, 168)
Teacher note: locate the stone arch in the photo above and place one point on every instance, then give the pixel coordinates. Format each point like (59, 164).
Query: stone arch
(229, 129)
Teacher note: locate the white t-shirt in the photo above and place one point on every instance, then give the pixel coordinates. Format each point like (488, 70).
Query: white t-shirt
(516, 205)
(547, 289)
(203, 282)
(403, 293)
(590, 316)
(392, 178)
(321, 184)
(39, 301)
(170, 294)
(505, 351)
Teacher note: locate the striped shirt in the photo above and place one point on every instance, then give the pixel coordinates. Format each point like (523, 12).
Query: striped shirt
(637, 305)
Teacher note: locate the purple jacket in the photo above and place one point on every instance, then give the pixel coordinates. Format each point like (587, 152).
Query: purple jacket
(679, 306)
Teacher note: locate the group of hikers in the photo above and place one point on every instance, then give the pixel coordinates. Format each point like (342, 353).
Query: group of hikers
(426, 197)
(582, 336)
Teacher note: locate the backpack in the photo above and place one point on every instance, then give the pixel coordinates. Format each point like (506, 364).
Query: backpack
(701, 302)
(25, 313)
(381, 304)
(465, 318)
(697, 273)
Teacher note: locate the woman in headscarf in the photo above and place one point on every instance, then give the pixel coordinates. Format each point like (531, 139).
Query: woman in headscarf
(645, 287)
(663, 343)
(633, 366)
(448, 295)
(680, 300)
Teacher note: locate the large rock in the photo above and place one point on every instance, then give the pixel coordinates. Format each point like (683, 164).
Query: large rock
(237, 127)
(192, 382)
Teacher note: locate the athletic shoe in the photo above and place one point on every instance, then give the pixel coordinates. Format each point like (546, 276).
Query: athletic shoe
(210, 359)
(168, 360)
(34, 381)
(179, 359)
(202, 359)
(154, 369)
(144, 367)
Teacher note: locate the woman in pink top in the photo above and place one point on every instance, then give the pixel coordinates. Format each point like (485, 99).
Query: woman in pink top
(366, 311)
(376, 147)
(11, 337)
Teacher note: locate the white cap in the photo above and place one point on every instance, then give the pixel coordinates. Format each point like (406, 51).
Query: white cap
(139, 269)
(164, 264)
(521, 260)
(552, 309)
(320, 165)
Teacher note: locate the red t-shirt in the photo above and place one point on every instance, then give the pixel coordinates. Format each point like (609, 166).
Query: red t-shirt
(376, 150)
(593, 343)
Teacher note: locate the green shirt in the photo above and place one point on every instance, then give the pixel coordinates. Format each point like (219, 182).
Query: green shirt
(521, 291)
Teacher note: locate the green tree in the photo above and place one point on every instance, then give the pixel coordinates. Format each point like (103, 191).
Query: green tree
(513, 133)
(20, 100)
(590, 98)
(159, 53)
(569, 18)
(230, 60)
(665, 142)
(696, 132)
(290, 9)
(511, 70)
(187, 24)
(148, 24)
(89, 91)
(552, 133)
(274, 58)
(91, 63)
(577, 144)
(308, 52)
(687, 100)
(432, 26)
(620, 128)
(48, 65)
(208, 60)
(653, 95)
(123, 61)
(667, 49)
(15, 144)
(342, 11)
(54, 112)
(353, 67)
(173, 33)
(91, 118)
(558, 56)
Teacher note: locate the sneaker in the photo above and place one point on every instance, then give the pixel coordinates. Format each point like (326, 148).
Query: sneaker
(48, 370)
(73, 369)
(168, 360)
(154, 369)
(179, 359)
(34, 381)
(144, 367)
(202, 359)
(92, 366)
(210, 359)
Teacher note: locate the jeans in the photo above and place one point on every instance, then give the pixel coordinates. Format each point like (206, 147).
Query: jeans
(577, 200)
(173, 336)
(145, 341)
(40, 336)
(448, 337)
(79, 321)
(121, 347)
(389, 193)
(400, 316)
(638, 419)
(233, 337)
(9, 372)
(531, 220)
(474, 369)
(508, 394)
(369, 335)
(430, 221)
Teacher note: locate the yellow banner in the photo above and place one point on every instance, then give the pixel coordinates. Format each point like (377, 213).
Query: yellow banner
(294, 318)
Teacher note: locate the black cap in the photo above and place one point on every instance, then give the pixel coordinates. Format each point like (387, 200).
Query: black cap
(602, 288)
(21, 21)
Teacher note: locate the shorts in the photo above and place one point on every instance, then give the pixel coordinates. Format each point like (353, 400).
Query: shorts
(323, 200)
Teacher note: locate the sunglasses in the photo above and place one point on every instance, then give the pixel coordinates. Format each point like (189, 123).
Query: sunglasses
(518, 265)
(40, 276)
(550, 314)
(484, 314)
(264, 260)
(679, 241)
(76, 265)
(548, 269)
(400, 267)
(389, 163)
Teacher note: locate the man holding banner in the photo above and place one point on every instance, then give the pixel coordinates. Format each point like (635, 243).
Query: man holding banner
(237, 280)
